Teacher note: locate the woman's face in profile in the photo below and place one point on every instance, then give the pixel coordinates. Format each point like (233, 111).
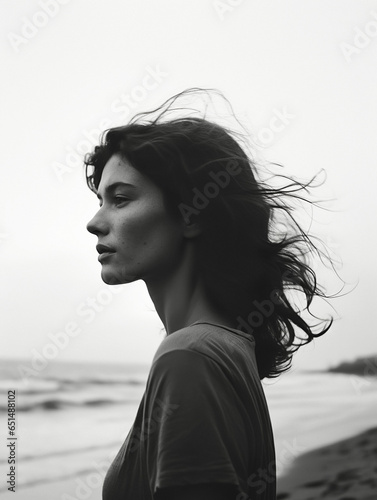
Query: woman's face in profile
(137, 237)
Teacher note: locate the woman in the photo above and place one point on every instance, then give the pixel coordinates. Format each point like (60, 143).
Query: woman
(181, 208)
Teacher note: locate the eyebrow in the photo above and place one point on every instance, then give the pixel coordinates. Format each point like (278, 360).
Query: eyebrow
(112, 187)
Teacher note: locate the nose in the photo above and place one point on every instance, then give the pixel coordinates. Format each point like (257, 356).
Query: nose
(97, 225)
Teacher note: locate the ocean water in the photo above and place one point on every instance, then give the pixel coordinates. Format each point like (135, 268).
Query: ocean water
(72, 419)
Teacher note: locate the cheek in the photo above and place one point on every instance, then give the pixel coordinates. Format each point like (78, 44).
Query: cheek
(151, 234)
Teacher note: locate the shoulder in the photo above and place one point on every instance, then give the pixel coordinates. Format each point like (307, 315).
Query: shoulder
(193, 374)
(209, 340)
(190, 338)
(205, 350)
(182, 350)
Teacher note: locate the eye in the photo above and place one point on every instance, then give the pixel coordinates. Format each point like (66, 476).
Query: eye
(119, 200)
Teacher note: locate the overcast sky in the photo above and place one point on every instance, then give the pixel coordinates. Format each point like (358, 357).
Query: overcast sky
(300, 75)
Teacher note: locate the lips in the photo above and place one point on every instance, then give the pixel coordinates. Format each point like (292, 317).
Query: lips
(104, 249)
(104, 252)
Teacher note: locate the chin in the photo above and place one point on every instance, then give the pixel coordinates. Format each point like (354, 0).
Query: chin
(116, 278)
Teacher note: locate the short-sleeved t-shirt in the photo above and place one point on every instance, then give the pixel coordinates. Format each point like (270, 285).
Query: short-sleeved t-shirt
(203, 418)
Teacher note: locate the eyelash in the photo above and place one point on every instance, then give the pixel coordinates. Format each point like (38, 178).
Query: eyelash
(117, 200)
(120, 199)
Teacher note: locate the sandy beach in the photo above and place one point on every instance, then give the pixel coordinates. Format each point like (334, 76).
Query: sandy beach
(346, 470)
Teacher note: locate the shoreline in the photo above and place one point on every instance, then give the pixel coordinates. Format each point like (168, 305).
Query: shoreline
(70, 488)
(345, 469)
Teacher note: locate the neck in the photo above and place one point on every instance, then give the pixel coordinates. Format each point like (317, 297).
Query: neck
(179, 296)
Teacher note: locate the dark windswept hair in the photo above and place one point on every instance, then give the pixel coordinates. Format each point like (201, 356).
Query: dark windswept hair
(251, 251)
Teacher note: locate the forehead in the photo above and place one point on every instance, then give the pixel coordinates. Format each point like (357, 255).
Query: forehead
(118, 169)
(118, 172)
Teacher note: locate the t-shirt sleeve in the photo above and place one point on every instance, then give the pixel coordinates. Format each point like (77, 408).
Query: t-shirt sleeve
(195, 429)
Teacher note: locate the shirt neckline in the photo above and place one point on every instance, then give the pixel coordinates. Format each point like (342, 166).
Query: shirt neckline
(246, 336)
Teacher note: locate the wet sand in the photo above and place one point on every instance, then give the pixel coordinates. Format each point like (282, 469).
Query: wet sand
(346, 470)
